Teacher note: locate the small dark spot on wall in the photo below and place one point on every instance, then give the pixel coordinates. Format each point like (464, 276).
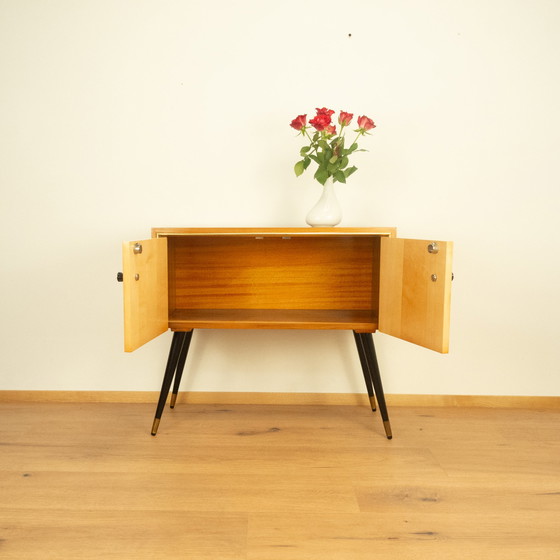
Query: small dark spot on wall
(25, 475)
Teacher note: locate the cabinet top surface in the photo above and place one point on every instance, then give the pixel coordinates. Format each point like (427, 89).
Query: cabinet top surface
(275, 231)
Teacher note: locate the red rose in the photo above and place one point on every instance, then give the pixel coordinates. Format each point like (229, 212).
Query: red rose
(320, 121)
(299, 122)
(325, 111)
(331, 129)
(365, 123)
(345, 118)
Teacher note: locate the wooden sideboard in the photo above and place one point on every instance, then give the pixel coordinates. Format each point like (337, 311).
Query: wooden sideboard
(358, 279)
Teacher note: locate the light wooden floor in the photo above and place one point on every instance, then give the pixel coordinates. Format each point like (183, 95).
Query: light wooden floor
(277, 482)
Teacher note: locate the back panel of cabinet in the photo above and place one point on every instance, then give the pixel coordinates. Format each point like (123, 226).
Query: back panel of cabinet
(244, 272)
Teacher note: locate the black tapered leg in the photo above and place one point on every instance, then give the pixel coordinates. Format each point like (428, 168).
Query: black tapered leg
(371, 358)
(174, 353)
(180, 367)
(365, 369)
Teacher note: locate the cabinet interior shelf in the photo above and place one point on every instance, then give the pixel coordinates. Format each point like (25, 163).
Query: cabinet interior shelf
(361, 320)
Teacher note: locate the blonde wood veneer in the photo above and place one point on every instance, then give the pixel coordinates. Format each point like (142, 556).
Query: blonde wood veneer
(415, 292)
(144, 292)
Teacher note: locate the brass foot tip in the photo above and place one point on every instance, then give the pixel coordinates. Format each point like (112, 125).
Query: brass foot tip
(173, 400)
(372, 403)
(387, 427)
(155, 426)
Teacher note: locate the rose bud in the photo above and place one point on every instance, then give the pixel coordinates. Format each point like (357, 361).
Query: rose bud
(365, 123)
(345, 118)
(299, 122)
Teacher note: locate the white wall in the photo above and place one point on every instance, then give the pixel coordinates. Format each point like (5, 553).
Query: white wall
(120, 115)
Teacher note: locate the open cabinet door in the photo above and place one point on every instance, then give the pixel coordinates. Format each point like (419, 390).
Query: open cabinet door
(415, 291)
(145, 291)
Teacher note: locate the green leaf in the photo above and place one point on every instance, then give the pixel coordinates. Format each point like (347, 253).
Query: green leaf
(304, 150)
(343, 162)
(349, 171)
(324, 156)
(339, 176)
(333, 159)
(321, 175)
(315, 158)
(353, 147)
(299, 168)
(306, 162)
(332, 168)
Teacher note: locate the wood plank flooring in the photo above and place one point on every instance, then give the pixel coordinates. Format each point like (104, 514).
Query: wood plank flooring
(271, 482)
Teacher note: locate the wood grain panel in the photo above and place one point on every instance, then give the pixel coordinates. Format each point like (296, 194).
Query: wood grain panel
(275, 232)
(212, 272)
(144, 292)
(188, 319)
(415, 292)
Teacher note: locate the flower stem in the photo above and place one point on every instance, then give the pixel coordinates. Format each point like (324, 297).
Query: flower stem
(359, 134)
(311, 143)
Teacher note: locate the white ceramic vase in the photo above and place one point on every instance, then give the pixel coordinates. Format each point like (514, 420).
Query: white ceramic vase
(327, 211)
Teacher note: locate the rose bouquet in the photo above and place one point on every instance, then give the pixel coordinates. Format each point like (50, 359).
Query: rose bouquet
(327, 145)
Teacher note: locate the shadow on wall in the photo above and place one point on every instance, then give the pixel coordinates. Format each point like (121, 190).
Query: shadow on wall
(251, 360)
